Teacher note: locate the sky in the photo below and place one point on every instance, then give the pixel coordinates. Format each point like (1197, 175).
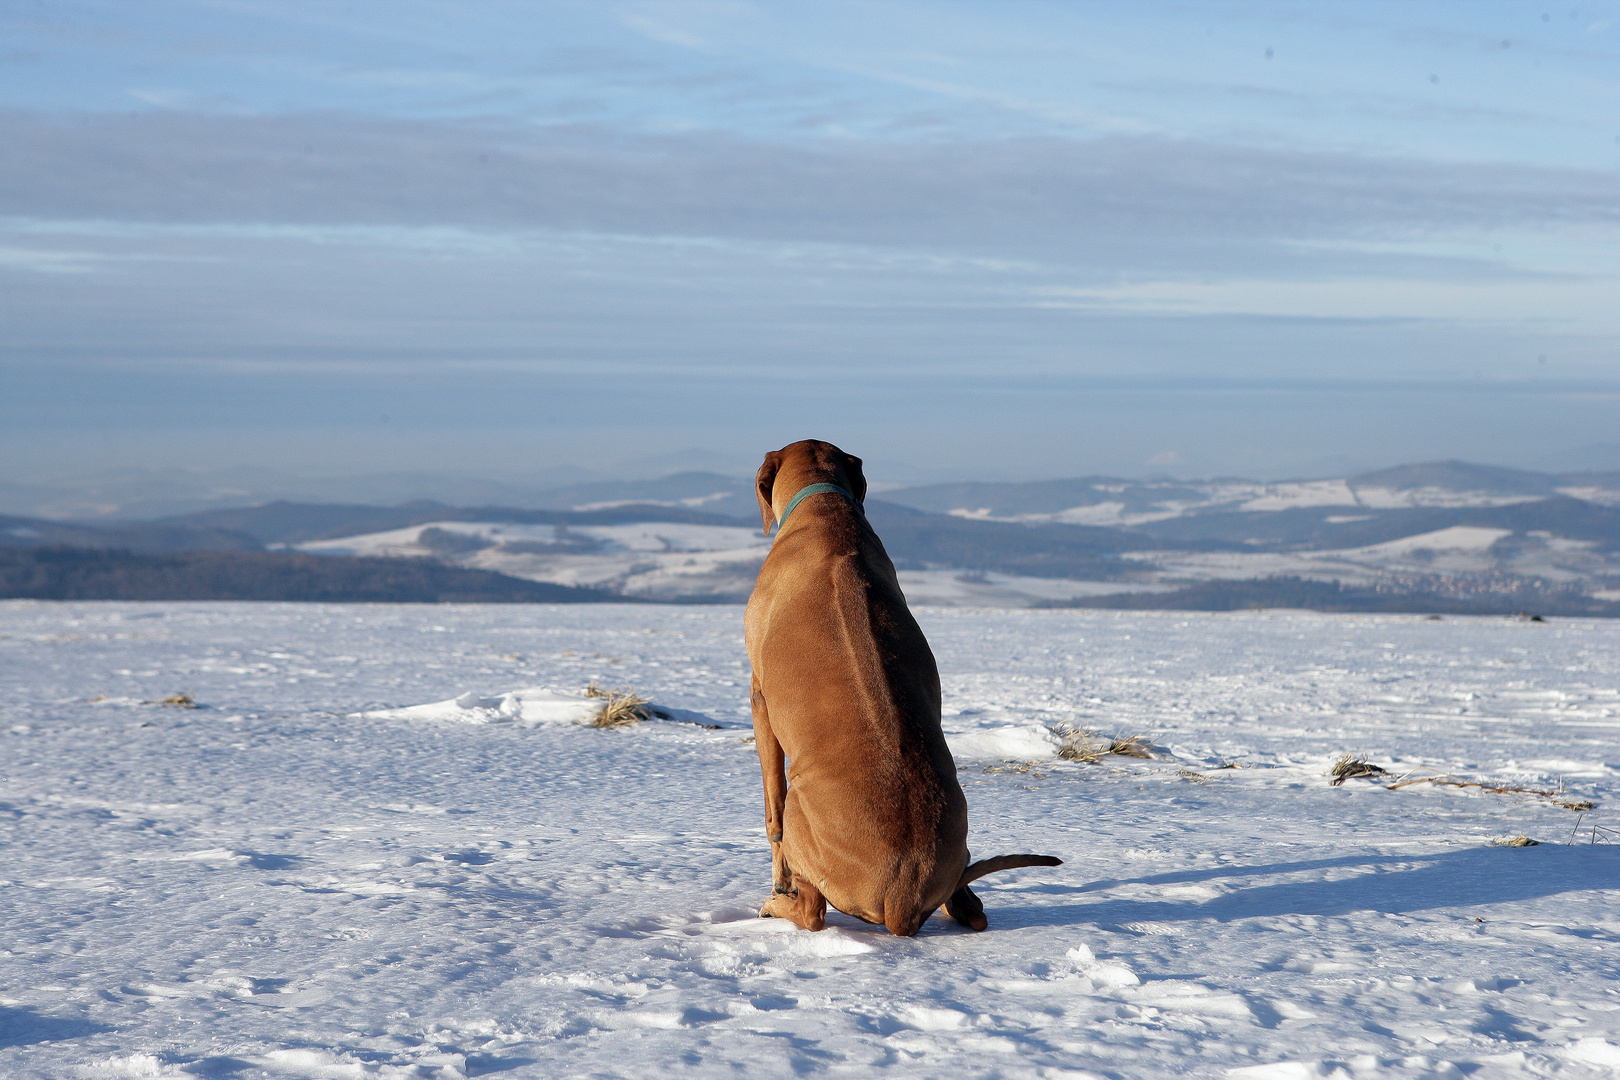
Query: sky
(1008, 239)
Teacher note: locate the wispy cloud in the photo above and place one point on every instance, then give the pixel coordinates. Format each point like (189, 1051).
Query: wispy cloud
(945, 219)
(1587, 304)
(1100, 201)
(48, 262)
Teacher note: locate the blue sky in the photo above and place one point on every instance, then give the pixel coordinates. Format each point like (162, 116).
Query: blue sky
(961, 239)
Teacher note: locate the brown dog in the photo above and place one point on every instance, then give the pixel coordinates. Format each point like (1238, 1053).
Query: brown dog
(864, 812)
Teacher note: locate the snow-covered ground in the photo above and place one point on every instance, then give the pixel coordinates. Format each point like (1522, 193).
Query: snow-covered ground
(271, 885)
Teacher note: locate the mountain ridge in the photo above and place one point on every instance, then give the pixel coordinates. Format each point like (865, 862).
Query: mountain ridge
(1450, 535)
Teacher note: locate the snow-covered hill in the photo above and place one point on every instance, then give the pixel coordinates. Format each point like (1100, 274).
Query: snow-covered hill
(1101, 500)
(1458, 551)
(676, 561)
(271, 885)
(656, 560)
(1447, 536)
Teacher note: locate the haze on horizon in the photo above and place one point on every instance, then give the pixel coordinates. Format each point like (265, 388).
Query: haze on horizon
(974, 240)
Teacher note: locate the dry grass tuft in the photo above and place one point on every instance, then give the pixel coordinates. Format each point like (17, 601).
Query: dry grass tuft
(1197, 778)
(1350, 766)
(1090, 747)
(179, 701)
(621, 708)
(1131, 746)
(1518, 841)
(1076, 744)
(1015, 767)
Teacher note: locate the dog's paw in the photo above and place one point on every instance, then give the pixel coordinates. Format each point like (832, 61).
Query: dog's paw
(794, 909)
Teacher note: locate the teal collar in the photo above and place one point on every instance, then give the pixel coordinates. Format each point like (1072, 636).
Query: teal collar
(814, 489)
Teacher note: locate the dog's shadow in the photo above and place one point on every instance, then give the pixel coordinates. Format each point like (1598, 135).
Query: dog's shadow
(1393, 884)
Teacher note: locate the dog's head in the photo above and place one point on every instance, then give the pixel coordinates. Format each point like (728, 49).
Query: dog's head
(804, 463)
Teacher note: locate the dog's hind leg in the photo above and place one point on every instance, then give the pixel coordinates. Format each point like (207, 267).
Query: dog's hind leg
(773, 771)
(804, 906)
(967, 909)
(906, 923)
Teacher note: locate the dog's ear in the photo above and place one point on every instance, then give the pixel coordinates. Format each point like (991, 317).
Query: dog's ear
(857, 479)
(764, 481)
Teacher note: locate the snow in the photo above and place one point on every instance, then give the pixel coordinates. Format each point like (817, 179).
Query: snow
(957, 588)
(1601, 496)
(1111, 514)
(1456, 538)
(1461, 549)
(1383, 498)
(310, 875)
(672, 561)
(644, 537)
(1251, 496)
(657, 560)
(1304, 494)
(529, 707)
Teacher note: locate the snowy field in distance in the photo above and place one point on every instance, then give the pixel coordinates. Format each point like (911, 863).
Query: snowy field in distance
(659, 560)
(673, 561)
(1460, 549)
(271, 886)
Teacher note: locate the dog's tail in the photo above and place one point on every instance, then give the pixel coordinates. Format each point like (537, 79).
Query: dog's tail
(1003, 862)
(965, 907)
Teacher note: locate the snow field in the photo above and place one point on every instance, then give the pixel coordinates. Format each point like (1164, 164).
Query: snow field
(666, 560)
(272, 886)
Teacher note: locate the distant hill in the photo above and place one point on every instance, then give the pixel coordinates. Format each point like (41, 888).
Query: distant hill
(732, 496)
(1441, 536)
(1316, 529)
(1308, 595)
(132, 536)
(915, 539)
(145, 494)
(1459, 476)
(64, 573)
(1009, 500)
(1317, 513)
(295, 523)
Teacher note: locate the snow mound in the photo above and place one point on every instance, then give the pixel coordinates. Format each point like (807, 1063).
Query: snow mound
(1594, 1051)
(1008, 742)
(529, 707)
(537, 705)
